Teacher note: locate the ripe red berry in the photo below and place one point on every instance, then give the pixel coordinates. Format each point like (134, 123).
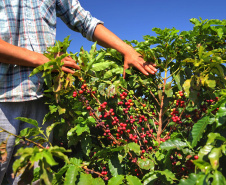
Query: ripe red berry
(122, 97)
(80, 91)
(196, 157)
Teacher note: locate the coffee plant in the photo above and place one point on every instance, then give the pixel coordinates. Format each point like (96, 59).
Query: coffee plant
(163, 129)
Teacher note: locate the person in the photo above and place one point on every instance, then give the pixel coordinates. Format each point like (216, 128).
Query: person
(27, 28)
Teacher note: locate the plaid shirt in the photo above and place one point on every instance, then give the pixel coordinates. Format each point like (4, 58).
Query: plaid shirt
(31, 24)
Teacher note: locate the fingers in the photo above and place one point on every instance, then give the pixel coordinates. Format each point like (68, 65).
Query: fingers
(67, 70)
(141, 68)
(124, 70)
(145, 67)
(69, 62)
(149, 68)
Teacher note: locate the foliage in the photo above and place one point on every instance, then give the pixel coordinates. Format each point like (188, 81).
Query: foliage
(162, 129)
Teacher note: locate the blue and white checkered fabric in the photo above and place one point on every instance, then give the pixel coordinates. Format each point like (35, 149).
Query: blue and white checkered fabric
(31, 24)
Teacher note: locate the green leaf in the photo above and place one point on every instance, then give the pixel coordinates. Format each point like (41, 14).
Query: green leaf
(198, 130)
(82, 128)
(108, 74)
(91, 120)
(44, 173)
(177, 79)
(50, 128)
(115, 166)
(93, 48)
(186, 86)
(212, 136)
(85, 179)
(211, 83)
(71, 175)
(173, 144)
(133, 180)
(27, 132)
(116, 180)
(134, 147)
(37, 70)
(52, 108)
(110, 91)
(149, 178)
(221, 111)
(123, 82)
(220, 32)
(169, 93)
(204, 151)
(146, 164)
(203, 165)
(201, 180)
(101, 88)
(218, 179)
(75, 161)
(61, 155)
(28, 120)
(191, 180)
(86, 143)
(168, 174)
(49, 158)
(214, 157)
(61, 110)
(102, 66)
(98, 181)
(57, 178)
(159, 155)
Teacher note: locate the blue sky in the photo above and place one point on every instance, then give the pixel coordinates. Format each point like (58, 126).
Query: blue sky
(132, 19)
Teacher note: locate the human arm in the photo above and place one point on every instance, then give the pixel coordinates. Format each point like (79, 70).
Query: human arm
(106, 38)
(11, 54)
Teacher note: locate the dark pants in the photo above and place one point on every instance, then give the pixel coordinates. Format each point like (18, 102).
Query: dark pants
(35, 109)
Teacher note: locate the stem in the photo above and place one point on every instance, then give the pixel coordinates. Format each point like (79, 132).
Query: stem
(150, 131)
(166, 126)
(37, 144)
(159, 132)
(88, 170)
(173, 73)
(155, 98)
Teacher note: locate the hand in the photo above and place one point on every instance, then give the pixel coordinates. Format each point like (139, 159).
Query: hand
(106, 38)
(133, 58)
(68, 62)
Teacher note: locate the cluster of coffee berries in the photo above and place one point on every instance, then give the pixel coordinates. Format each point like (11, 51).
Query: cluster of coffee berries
(74, 94)
(123, 95)
(175, 116)
(102, 107)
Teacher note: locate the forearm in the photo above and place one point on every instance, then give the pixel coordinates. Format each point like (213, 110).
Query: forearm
(11, 54)
(107, 39)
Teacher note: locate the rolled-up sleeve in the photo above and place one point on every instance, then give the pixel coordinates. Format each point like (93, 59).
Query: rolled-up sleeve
(76, 18)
